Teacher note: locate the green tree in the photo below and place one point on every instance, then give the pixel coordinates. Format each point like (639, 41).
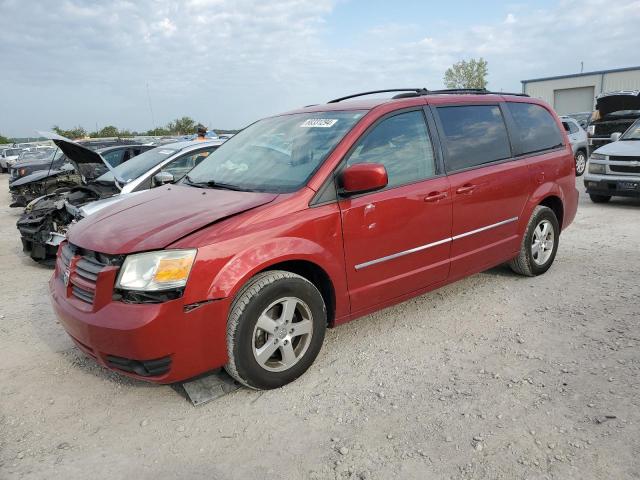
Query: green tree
(182, 126)
(158, 132)
(467, 74)
(77, 132)
(109, 131)
(4, 140)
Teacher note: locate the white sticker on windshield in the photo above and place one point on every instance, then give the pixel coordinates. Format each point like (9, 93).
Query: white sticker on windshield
(166, 152)
(319, 123)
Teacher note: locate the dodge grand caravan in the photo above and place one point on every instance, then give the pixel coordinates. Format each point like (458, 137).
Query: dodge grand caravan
(310, 219)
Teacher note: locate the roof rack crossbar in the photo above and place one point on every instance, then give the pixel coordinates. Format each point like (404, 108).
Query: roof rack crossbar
(415, 92)
(372, 92)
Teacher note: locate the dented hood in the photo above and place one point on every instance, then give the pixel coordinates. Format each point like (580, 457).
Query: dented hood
(157, 218)
(607, 103)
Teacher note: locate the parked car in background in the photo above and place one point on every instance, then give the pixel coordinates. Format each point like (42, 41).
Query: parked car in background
(8, 157)
(52, 160)
(614, 113)
(45, 220)
(578, 139)
(582, 118)
(309, 219)
(68, 175)
(614, 169)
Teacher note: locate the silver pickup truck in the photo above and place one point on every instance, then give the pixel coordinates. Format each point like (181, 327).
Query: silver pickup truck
(614, 169)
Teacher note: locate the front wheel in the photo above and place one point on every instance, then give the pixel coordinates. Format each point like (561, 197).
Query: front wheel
(275, 330)
(539, 244)
(599, 198)
(581, 162)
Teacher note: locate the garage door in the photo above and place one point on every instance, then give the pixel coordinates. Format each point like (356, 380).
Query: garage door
(573, 100)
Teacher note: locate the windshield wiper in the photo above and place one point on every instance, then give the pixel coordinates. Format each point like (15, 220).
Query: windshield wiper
(214, 184)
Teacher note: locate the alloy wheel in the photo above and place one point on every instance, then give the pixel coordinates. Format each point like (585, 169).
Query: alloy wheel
(543, 242)
(282, 334)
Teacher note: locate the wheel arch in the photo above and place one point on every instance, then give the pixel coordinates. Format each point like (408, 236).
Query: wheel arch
(554, 203)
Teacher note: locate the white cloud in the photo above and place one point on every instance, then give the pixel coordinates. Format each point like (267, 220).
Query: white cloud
(228, 62)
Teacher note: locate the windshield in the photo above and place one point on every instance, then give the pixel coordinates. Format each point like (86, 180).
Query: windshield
(132, 169)
(12, 152)
(633, 132)
(277, 154)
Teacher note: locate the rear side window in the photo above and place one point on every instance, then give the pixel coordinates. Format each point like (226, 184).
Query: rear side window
(536, 128)
(473, 135)
(401, 143)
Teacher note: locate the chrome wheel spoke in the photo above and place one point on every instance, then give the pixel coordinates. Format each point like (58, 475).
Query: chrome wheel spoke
(265, 352)
(288, 309)
(288, 355)
(301, 328)
(267, 324)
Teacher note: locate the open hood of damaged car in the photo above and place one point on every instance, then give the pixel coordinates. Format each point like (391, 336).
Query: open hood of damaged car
(156, 218)
(610, 102)
(88, 163)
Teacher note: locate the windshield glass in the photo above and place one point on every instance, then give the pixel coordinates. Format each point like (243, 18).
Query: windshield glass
(277, 154)
(132, 169)
(633, 132)
(12, 152)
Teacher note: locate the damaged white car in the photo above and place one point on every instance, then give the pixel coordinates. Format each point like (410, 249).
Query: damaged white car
(45, 220)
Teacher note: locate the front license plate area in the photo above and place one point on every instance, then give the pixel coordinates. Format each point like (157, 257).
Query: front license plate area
(628, 186)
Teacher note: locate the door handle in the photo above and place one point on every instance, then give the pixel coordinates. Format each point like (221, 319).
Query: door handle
(435, 196)
(466, 188)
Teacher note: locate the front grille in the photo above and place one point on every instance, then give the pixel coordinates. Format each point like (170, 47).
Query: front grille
(83, 274)
(618, 158)
(625, 169)
(144, 368)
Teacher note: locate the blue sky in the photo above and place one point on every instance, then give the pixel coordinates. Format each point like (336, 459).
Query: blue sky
(229, 62)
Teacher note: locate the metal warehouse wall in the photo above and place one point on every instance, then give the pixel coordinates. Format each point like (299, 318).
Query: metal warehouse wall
(564, 93)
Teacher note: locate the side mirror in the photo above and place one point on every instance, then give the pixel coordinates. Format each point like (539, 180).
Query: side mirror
(615, 136)
(362, 178)
(161, 178)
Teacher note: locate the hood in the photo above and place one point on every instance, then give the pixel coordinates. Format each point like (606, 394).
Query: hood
(607, 103)
(630, 148)
(157, 218)
(88, 163)
(95, 207)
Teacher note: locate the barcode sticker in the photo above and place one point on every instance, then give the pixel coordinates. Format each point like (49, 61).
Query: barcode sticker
(319, 123)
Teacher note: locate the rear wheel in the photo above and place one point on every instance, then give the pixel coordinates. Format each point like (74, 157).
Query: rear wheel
(275, 330)
(581, 162)
(599, 198)
(539, 244)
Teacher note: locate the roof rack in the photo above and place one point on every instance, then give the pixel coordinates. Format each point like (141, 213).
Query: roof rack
(417, 92)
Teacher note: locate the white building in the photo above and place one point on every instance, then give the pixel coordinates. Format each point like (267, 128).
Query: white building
(576, 93)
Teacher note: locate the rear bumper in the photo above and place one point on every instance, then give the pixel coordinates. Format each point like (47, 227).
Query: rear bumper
(160, 343)
(614, 186)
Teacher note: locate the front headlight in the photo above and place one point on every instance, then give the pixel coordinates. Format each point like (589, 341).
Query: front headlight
(596, 168)
(153, 271)
(598, 156)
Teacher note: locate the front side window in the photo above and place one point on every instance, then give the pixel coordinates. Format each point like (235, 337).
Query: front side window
(277, 154)
(473, 135)
(536, 128)
(183, 165)
(401, 143)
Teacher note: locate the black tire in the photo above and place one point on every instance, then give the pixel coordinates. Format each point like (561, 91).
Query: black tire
(525, 263)
(581, 162)
(599, 198)
(251, 301)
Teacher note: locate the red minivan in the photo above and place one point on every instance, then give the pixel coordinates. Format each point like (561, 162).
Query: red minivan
(309, 219)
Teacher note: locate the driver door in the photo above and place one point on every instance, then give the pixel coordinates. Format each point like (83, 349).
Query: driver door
(397, 240)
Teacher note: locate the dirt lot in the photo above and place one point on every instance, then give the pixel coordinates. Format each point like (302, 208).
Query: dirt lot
(496, 376)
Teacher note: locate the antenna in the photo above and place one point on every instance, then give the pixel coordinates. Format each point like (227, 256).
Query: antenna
(153, 120)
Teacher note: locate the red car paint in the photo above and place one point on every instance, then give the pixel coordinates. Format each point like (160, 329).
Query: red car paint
(239, 234)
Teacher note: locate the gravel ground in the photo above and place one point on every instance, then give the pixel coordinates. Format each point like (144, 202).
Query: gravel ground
(496, 376)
